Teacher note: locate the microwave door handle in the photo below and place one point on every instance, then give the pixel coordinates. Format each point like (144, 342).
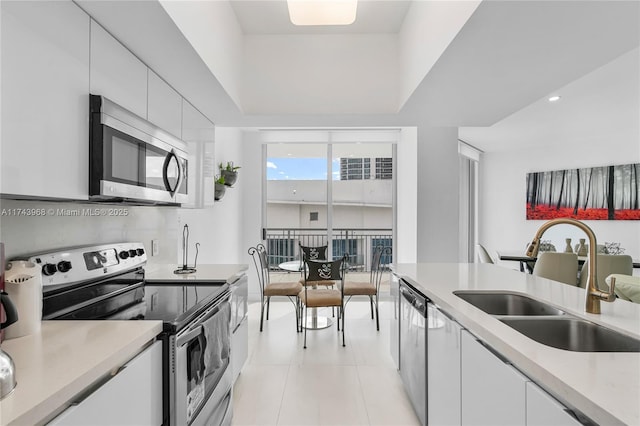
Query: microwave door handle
(165, 173)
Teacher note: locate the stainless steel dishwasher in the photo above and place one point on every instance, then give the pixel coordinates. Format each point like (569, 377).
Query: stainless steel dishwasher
(413, 347)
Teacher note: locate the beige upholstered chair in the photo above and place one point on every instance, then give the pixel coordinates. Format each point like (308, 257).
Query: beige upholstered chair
(370, 288)
(483, 255)
(291, 290)
(627, 287)
(562, 267)
(312, 297)
(607, 264)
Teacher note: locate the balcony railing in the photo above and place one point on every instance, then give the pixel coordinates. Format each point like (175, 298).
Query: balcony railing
(283, 244)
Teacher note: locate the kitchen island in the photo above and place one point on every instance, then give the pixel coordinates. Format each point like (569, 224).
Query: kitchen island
(604, 386)
(56, 365)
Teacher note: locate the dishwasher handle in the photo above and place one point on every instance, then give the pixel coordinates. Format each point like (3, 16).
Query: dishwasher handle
(416, 300)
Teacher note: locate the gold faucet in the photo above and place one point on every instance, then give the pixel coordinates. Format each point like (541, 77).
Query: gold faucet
(594, 294)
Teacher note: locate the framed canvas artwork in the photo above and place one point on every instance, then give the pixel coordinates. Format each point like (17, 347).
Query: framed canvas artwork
(595, 193)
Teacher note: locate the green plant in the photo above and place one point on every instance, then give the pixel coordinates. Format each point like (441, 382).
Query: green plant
(219, 179)
(229, 167)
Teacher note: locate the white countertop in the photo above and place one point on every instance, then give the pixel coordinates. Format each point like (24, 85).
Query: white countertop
(603, 386)
(204, 273)
(66, 357)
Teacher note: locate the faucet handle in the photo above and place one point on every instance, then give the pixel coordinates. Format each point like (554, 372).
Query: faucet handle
(609, 296)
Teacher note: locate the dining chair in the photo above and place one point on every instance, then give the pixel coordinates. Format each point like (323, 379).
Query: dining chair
(483, 254)
(313, 297)
(562, 267)
(315, 253)
(268, 289)
(607, 264)
(627, 287)
(370, 288)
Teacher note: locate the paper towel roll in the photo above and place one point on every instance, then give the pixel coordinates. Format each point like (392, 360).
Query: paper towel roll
(23, 284)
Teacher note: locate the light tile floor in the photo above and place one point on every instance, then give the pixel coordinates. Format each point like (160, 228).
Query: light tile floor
(325, 384)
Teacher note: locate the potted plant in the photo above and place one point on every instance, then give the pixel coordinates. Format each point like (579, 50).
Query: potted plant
(229, 173)
(220, 187)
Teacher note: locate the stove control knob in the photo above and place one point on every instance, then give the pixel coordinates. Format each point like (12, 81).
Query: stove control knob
(132, 253)
(64, 266)
(140, 252)
(49, 269)
(123, 254)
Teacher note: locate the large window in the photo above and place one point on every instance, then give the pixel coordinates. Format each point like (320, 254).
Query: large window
(339, 191)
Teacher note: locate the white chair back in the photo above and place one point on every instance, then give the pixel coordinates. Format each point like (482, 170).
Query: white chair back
(562, 267)
(483, 255)
(607, 264)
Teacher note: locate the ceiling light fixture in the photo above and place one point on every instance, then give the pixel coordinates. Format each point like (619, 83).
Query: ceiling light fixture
(554, 98)
(322, 12)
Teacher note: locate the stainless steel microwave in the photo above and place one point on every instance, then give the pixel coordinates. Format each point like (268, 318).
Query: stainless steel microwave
(131, 160)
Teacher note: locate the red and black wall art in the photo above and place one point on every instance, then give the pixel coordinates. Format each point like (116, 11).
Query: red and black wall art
(595, 193)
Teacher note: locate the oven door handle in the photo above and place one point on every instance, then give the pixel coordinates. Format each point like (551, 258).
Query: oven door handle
(188, 336)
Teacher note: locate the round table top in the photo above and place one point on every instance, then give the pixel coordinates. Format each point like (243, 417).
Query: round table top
(291, 266)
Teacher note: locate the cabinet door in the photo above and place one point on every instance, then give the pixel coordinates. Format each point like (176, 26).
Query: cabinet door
(132, 397)
(45, 104)
(545, 410)
(164, 106)
(199, 134)
(493, 392)
(443, 364)
(116, 73)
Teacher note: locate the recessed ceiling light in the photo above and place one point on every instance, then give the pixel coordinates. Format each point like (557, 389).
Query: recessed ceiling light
(554, 98)
(322, 12)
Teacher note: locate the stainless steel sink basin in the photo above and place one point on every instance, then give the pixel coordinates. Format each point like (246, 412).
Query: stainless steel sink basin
(573, 334)
(504, 303)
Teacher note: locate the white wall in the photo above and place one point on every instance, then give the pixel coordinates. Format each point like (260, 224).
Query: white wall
(284, 74)
(60, 227)
(503, 225)
(428, 28)
(219, 229)
(212, 29)
(406, 238)
(438, 199)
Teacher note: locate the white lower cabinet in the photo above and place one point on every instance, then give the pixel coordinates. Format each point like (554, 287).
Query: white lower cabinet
(545, 410)
(131, 397)
(493, 392)
(443, 366)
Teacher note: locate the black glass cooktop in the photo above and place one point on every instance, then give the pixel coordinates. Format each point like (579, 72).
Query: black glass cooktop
(176, 305)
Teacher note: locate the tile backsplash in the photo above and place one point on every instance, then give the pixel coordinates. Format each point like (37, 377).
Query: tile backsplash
(36, 226)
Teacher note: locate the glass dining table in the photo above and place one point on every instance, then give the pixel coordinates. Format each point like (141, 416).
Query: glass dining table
(315, 322)
(526, 261)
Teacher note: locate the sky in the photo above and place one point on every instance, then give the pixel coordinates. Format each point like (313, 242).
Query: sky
(301, 169)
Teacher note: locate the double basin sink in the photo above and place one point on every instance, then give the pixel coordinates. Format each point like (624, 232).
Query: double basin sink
(547, 324)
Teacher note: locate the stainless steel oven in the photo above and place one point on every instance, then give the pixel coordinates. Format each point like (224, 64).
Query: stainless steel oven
(202, 373)
(107, 282)
(131, 159)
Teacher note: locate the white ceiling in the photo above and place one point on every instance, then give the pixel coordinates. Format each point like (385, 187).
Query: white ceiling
(509, 55)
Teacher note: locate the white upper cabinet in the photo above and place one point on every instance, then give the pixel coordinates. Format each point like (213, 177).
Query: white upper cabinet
(116, 73)
(45, 100)
(199, 134)
(164, 106)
